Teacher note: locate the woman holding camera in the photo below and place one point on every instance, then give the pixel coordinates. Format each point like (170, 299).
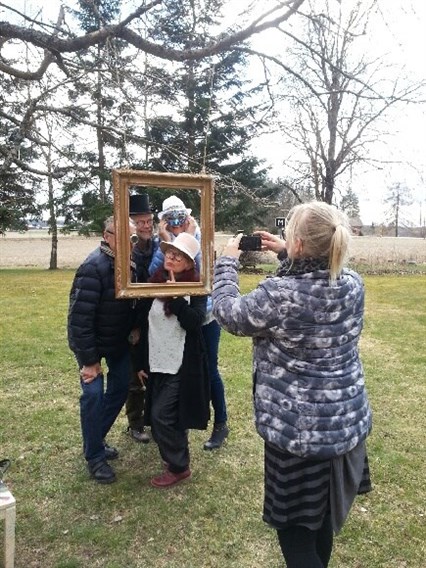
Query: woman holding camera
(311, 406)
(174, 218)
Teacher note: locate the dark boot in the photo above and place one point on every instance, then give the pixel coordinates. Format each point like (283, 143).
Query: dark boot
(101, 472)
(110, 452)
(219, 434)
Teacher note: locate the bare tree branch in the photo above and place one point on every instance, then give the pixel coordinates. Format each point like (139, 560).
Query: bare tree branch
(49, 57)
(59, 45)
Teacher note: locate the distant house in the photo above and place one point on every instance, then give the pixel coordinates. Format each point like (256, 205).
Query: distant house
(356, 226)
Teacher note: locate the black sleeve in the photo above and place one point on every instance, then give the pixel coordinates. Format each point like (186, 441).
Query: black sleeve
(190, 315)
(84, 301)
(141, 351)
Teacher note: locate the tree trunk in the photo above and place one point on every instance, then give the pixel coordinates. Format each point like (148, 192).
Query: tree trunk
(328, 189)
(332, 122)
(53, 225)
(397, 215)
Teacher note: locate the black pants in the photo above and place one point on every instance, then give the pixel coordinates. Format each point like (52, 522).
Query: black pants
(305, 548)
(172, 441)
(135, 403)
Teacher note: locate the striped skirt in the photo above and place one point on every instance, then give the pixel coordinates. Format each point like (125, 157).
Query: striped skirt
(302, 491)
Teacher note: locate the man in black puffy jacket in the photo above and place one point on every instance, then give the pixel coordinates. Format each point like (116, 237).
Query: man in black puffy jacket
(98, 328)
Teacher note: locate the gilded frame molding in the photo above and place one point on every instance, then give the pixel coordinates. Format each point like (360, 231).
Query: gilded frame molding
(122, 181)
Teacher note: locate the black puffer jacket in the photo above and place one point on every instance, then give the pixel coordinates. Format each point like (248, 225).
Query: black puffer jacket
(98, 323)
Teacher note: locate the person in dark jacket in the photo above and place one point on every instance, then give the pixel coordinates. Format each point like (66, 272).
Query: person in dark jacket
(143, 251)
(174, 359)
(98, 328)
(310, 402)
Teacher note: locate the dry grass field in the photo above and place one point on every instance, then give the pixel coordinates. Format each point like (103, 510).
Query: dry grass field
(32, 250)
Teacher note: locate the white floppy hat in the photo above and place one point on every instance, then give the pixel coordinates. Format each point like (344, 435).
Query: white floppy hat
(173, 204)
(185, 243)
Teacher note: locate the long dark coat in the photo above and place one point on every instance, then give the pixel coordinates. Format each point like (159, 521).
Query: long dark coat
(194, 397)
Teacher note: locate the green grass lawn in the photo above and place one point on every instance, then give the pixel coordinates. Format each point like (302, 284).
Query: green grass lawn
(65, 520)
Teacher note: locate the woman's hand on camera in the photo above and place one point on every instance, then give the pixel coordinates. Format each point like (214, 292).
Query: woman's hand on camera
(163, 232)
(271, 242)
(231, 248)
(190, 225)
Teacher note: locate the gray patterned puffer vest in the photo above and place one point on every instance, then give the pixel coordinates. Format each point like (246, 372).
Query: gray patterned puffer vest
(309, 392)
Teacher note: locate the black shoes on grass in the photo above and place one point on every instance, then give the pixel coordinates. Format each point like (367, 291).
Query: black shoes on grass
(102, 472)
(219, 435)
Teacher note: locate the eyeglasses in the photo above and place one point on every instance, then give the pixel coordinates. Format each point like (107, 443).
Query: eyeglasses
(110, 232)
(147, 223)
(177, 256)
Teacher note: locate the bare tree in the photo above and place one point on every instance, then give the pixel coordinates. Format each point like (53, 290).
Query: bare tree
(335, 96)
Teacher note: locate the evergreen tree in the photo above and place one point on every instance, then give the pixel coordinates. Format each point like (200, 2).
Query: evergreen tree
(17, 201)
(17, 186)
(101, 84)
(209, 128)
(350, 204)
(102, 107)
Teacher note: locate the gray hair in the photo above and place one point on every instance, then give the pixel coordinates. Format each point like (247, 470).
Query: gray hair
(109, 222)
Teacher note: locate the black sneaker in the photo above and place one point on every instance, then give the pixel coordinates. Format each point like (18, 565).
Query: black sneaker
(219, 435)
(110, 452)
(101, 472)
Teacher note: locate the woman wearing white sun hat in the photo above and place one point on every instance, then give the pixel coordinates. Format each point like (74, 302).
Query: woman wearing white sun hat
(175, 218)
(174, 359)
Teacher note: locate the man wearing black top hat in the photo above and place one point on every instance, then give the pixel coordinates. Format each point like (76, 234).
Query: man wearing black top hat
(142, 215)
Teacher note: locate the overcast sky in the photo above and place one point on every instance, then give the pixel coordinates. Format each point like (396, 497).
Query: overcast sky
(400, 35)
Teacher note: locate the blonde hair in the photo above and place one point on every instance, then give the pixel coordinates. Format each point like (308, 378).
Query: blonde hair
(324, 231)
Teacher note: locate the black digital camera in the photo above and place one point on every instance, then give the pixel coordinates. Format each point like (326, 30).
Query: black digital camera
(250, 242)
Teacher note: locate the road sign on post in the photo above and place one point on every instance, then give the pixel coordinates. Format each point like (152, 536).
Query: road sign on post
(280, 222)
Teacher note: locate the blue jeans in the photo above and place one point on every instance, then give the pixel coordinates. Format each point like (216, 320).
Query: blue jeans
(99, 409)
(211, 333)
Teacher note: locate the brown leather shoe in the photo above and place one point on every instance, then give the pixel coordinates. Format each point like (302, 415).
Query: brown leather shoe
(168, 478)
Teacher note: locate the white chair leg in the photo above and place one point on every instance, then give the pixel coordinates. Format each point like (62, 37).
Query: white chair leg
(8, 513)
(9, 537)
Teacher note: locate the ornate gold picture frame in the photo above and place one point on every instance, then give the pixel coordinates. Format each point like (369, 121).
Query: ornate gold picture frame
(156, 183)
